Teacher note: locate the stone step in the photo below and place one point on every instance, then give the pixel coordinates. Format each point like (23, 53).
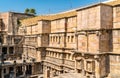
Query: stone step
(70, 75)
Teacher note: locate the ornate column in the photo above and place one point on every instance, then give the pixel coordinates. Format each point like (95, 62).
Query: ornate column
(52, 72)
(75, 66)
(97, 66)
(15, 71)
(24, 68)
(12, 40)
(2, 73)
(33, 69)
(5, 39)
(14, 49)
(84, 64)
(47, 72)
(7, 50)
(76, 38)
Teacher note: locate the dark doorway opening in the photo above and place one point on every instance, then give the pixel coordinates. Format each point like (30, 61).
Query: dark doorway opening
(29, 70)
(11, 49)
(4, 50)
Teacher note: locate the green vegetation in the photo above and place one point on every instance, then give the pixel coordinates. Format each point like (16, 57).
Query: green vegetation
(30, 11)
(27, 10)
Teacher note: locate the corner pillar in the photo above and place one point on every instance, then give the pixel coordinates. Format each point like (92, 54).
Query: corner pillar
(97, 66)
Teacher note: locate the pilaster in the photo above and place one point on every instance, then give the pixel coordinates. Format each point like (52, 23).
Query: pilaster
(2, 73)
(97, 66)
(8, 50)
(14, 71)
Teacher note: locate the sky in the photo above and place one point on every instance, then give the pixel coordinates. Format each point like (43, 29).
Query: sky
(44, 6)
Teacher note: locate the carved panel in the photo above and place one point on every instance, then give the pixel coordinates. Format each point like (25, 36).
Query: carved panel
(80, 64)
(90, 66)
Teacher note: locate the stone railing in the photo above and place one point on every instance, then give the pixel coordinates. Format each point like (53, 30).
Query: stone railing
(55, 60)
(69, 63)
(31, 43)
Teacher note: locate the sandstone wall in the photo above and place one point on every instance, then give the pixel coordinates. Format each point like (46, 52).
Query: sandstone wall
(5, 18)
(116, 33)
(114, 66)
(43, 27)
(94, 18)
(88, 18)
(71, 40)
(58, 25)
(106, 13)
(56, 40)
(71, 24)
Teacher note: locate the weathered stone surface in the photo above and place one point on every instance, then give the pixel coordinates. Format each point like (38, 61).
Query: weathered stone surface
(85, 44)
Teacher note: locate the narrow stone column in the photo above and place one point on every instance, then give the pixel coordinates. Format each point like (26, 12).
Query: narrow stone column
(5, 39)
(76, 38)
(12, 40)
(2, 73)
(7, 70)
(24, 70)
(33, 69)
(47, 73)
(97, 67)
(84, 65)
(14, 71)
(8, 50)
(14, 49)
(75, 66)
(71, 56)
(84, 68)
(52, 72)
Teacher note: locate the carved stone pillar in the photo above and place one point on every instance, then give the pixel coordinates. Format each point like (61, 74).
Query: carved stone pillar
(14, 49)
(4, 39)
(76, 39)
(2, 73)
(46, 72)
(52, 73)
(12, 40)
(97, 66)
(24, 70)
(14, 71)
(8, 50)
(84, 65)
(75, 66)
(33, 69)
